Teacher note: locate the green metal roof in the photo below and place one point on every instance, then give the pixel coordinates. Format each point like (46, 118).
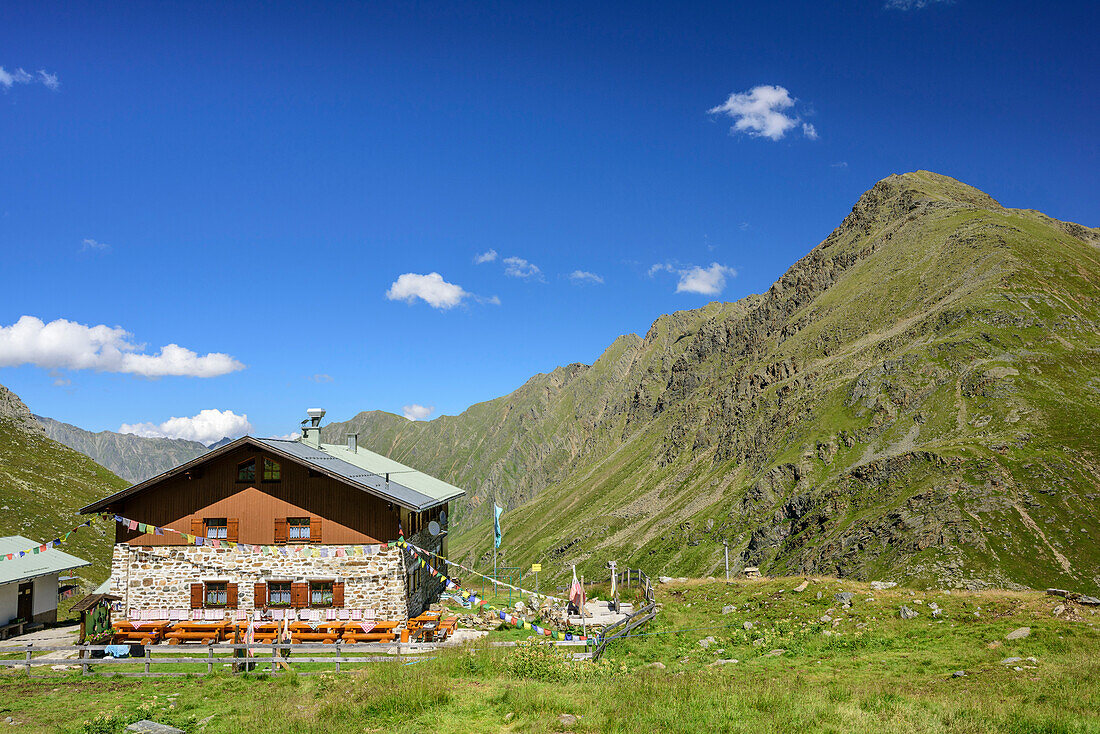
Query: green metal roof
(32, 565)
(415, 480)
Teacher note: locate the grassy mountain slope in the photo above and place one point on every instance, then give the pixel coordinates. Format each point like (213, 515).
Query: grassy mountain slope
(134, 458)
(42, 485)
(917, 396)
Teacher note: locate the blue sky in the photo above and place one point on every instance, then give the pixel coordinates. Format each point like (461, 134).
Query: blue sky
(251, 181)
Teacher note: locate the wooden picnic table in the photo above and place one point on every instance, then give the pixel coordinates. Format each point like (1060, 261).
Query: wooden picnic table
(146, 633)
(205, 632)
(380, 631)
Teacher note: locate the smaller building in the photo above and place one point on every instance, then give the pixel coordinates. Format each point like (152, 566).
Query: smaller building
(29, 584)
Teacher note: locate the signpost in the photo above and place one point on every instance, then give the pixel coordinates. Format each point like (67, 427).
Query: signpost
(536, 567)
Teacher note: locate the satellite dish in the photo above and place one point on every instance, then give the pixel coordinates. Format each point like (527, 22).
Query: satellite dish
(434, 529)
(443, 518)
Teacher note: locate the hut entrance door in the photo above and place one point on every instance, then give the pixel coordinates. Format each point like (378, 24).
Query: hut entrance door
(26, 601)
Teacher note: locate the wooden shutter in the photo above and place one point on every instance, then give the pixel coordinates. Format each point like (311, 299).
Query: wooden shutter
(280, 530)
(338, 594)
(231, 596)
(232, 529)
(315, 530)
(259, 596)
(299, 595)
(196, 596)
(196, 527)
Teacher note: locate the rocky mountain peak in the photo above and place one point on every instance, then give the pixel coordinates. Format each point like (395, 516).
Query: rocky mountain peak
(12, 410)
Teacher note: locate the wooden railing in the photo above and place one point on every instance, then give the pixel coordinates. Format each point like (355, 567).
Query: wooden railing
(266, 657)
(646, 612)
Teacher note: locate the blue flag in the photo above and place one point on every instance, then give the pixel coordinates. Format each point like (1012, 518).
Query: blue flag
(497, 509)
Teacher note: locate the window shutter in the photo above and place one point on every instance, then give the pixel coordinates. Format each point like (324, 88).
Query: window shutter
(299, 595)
(231, 596)
(338, 594)
(196, 527)
(259, 596)
(232, 527)
(196, 596)
(280, 530)
(315, 530)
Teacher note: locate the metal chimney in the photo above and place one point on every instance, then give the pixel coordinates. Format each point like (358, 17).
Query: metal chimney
(311, 434)
(353, 442)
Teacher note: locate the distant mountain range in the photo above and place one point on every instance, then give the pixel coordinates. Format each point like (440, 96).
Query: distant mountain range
(134, 458)
(919, 397)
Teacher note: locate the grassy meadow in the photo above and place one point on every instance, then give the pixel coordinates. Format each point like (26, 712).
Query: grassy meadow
(862, 669)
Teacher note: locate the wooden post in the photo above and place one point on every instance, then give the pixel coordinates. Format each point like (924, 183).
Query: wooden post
(148, 657)
(337, 656)
(209, 659)
(274, 657)
(84, 655)
(27, 667)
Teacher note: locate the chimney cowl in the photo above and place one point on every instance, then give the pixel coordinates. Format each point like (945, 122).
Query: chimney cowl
(353, 442)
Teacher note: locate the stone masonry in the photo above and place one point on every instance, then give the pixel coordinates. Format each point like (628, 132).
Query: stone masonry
(160, 577)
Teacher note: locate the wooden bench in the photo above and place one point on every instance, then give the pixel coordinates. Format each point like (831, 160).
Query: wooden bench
(353, 637)
(206, 638)
(327, 638)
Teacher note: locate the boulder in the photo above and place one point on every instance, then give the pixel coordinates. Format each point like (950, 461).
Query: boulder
(801, 587)
(883, 585)
(664, 579)
(844, 597)
(747, 625)
(958, 674)
(706, 642)
(907, 613)
(721, 661)
(729, 609)
(1018, 634)
(567, 719)
(151, 727)
(658, 665)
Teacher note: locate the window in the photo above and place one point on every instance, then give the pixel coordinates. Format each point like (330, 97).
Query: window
(320, 593)
(216, 527)
(297, 528)
(278, 593)
(216, 594)
(246, 471)
(271, 470)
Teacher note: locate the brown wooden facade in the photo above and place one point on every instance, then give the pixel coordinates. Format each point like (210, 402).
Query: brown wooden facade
(257, 511)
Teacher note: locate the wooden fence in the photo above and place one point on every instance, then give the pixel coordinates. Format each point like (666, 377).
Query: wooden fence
(622, 628)
(266, 657)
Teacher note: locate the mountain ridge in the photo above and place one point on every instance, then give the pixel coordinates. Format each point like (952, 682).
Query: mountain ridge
(864, 415)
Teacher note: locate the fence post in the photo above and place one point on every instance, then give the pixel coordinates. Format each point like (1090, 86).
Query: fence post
(27, 666)
(209, 659)
(148, 657)
(274, 658)
(337, 656)
(85, 654)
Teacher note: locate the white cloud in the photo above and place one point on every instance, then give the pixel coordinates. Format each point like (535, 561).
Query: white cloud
(911, 4)
(63, 344)
(763, 112)
(8, 79)
(485, 257)
(90, 244)
(416, 412)
(708, 281)
(430, 288)
(517, 267)
(582, 277)
(208, 426)
(289, 436)
(491, 300)
(839, 164)
(320, 378)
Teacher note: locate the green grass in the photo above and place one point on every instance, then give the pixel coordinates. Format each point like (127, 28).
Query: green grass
(875, 673)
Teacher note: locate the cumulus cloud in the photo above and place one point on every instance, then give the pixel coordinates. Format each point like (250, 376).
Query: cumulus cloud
(764, 111)
(416, 412)
(289, 436)
(517, 267)
(707, 281)
(64, 344)
(583, 277)
(430, 288)
(208, 426)
(90, 244)
(485, 257)
(9, 79)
